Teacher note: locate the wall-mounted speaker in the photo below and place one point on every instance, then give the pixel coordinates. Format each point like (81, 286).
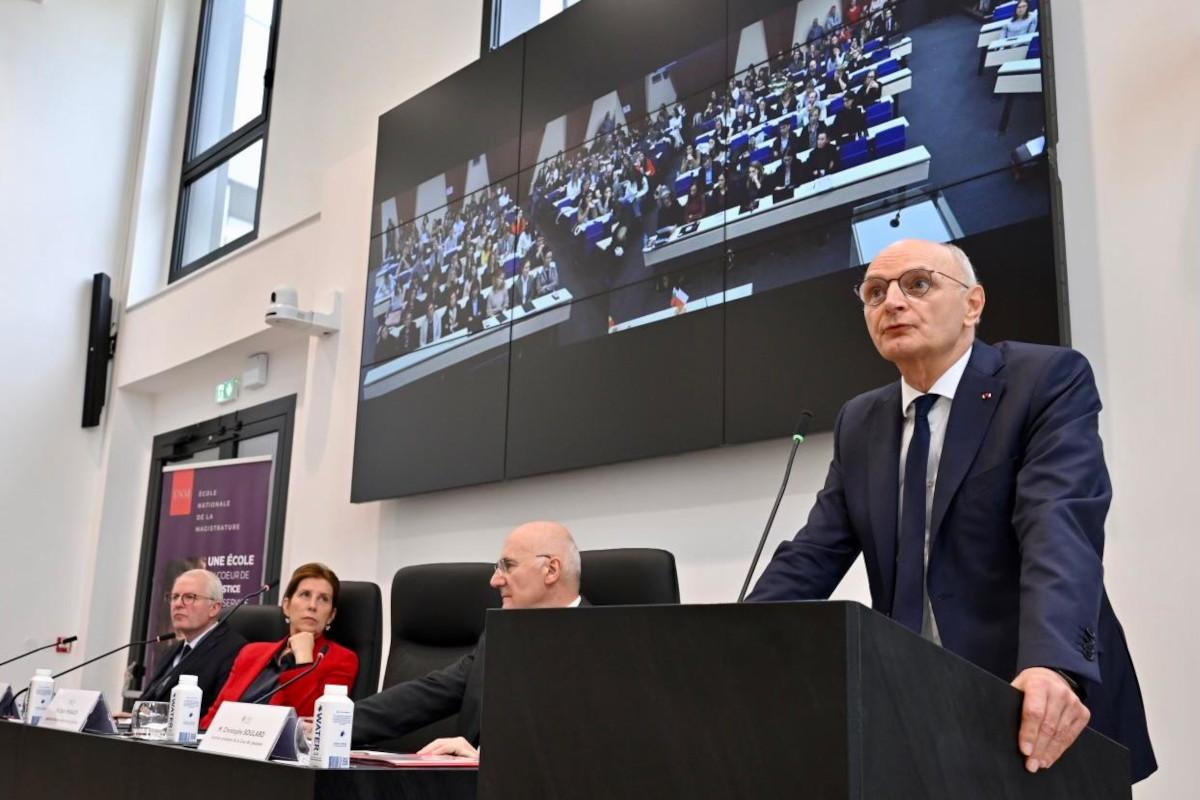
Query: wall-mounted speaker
(99, 352)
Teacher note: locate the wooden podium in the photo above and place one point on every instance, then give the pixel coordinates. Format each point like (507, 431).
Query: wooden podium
(805, 700)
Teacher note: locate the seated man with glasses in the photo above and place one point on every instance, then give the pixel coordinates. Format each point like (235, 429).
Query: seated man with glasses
(206, 649)
(975, 487)
(538, 568)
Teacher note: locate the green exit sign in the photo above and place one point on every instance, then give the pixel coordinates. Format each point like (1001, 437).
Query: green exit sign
(227, 390)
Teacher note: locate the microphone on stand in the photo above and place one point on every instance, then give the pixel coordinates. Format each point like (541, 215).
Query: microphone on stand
(316, 662)
(66, 640)
(797, 440)
(162, 637)
(266, 587)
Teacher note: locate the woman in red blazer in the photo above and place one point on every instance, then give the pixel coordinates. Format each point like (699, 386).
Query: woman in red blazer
(309, 604)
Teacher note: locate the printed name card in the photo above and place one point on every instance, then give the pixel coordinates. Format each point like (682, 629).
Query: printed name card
(78, 710)
(252, 731)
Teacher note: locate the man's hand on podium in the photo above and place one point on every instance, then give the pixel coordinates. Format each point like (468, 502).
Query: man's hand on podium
(1052, 717)
(456, 746)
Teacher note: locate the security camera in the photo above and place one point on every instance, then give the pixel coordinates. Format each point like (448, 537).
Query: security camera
(284, 312)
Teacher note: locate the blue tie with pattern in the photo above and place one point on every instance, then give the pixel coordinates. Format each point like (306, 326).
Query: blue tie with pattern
(909, 602)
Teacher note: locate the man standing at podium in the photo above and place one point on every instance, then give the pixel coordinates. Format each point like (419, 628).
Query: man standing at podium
(976, 490)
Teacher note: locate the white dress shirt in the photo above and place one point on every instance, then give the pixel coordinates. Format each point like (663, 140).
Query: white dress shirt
(939, 415)
(192, 645)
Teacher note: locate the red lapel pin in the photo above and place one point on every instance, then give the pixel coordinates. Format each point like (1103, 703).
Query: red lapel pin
(986, 395)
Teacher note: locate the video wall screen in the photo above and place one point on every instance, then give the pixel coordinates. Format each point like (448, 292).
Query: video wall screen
(633, 231)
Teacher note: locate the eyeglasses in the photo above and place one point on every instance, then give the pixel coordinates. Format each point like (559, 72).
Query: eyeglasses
(188, 598)
(913, 283)
(507, 565)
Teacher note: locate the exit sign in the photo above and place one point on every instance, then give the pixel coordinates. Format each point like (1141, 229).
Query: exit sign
(227, 390)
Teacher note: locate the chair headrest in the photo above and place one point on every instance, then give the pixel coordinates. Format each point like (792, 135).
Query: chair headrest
(629, 576)
(442, 604)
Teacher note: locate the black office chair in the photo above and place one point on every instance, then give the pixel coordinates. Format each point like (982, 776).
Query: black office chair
(629, 576)
(358, 626)
(437, 617)
(262, 623)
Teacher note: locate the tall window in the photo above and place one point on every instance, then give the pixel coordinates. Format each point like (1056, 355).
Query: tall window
(505, 20)
(220, 193)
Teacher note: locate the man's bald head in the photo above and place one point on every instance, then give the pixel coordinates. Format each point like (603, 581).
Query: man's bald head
(539, 566)
(928, 324)
(947, 258)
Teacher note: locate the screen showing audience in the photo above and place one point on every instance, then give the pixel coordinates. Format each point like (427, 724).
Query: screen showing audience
(633, 232)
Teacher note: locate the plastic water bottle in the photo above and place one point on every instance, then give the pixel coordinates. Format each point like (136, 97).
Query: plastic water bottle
(333, 720)
(41, 692)
(183, 717)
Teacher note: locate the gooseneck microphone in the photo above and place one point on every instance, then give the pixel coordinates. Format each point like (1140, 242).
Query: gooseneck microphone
(162, 637)
(67, 640)
(797, 439)
(266, 587)
(316, 662)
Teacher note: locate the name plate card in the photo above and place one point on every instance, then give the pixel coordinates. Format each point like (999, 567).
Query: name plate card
(247, 730)
(78, 710)
(7, 707)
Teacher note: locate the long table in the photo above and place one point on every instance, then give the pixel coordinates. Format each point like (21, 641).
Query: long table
(548, 310)
(43, 763)
(847, 186)
(1017, 77)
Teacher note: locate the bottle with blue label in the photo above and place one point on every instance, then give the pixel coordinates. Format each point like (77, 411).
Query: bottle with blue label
(41, 692)
(183, 716)
(333, 720)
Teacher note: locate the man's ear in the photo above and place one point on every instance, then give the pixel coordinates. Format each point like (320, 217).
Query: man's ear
(976, 299)
(553, 570)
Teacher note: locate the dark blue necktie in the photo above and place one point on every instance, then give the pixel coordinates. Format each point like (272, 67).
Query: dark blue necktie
(909, 602)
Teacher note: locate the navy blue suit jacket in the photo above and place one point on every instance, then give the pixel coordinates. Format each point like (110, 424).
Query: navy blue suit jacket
(1017, 527)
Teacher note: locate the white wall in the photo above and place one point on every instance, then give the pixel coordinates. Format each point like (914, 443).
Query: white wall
(1131, 240)
(1132, 227)
(71, 77)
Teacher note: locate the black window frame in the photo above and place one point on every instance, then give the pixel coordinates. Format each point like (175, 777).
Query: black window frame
(195, 168)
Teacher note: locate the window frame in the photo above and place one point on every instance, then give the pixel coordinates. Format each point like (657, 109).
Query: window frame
(195, 168)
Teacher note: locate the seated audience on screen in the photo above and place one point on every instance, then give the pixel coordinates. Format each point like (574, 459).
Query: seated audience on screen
(431, 326)
(204, 648)
(838, 83)
(475, 307)
(787, 141)
(453, 318)
(871, 90)
(851, 121)
(811, 129)
(548, 279)
(1022, 21)
(824, 158)
(694, 209)
(788, 173)
(539, 567)
(755, 186)
(497, 302)
(525, 290)
(309, 605)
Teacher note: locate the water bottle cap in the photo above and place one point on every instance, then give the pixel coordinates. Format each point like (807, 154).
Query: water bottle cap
(336, 690)
(187, 680)
(44, 673)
